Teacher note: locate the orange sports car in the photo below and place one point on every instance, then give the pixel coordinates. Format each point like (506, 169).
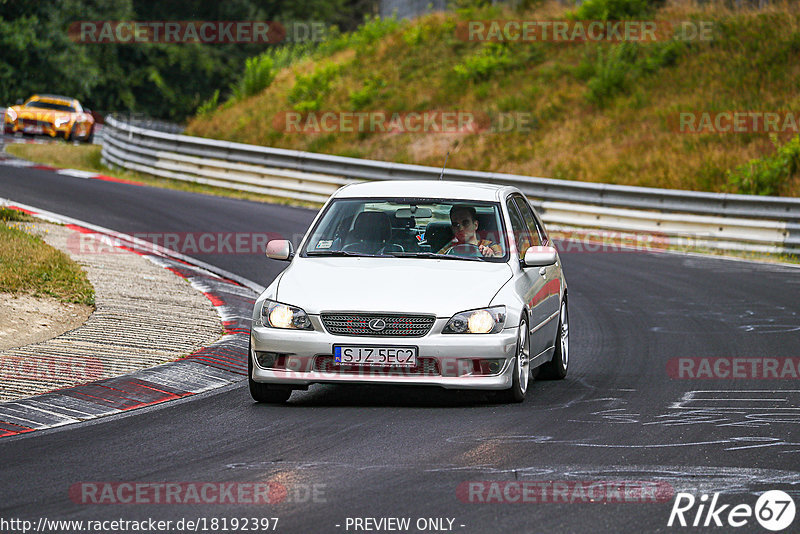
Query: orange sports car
(51, 115)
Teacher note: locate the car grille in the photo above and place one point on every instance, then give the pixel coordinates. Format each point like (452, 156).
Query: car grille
(424, 367)
(357, 324)
(32, 122)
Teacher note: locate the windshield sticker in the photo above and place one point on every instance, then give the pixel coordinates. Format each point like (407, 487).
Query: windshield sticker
(325, 243)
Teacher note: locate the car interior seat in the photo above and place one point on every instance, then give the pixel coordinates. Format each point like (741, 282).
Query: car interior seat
(371, 231)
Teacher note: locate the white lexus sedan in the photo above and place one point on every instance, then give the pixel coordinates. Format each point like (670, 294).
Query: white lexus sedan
(439, 283)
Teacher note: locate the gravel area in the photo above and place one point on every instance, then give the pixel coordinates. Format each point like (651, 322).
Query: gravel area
(25, 319)
(144, 315)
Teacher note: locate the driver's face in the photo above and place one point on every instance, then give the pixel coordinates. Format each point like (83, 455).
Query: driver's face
(463, 225)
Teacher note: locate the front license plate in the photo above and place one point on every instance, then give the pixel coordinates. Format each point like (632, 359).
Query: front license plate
(33, 129)
(375, 355)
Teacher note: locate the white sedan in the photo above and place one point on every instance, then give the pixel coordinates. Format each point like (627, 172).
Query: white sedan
(435, 283)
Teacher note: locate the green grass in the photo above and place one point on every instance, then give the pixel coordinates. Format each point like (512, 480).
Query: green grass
(31, 266)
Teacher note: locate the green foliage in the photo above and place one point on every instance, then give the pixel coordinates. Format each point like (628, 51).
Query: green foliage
(8, 214)
(309, 90)
(373, 30)
(259, 71)
(765, 176)
(363, 97)
(489, 59)
(209, 105)
(288, 55)
(168, 81)
(609, 71)
(370, 32)
(414, 35)
(613, 10)
(664, 54)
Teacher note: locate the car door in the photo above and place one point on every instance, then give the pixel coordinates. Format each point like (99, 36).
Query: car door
(551, 293)
(529, 284)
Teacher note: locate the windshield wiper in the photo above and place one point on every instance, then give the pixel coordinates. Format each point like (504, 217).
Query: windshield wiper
(337, 253)
(430, 255)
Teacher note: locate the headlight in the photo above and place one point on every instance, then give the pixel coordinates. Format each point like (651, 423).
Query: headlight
(279, 315)
(61, 121)
(482, 321)
(11, 115)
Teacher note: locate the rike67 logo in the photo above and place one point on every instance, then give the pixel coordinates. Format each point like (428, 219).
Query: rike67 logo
(774, 510)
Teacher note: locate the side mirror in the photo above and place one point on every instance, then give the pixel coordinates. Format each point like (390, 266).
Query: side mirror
(280, 249)
(539, 256)
(19, 102)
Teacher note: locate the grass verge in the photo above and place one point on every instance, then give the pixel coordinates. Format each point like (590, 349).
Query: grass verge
(29, 265)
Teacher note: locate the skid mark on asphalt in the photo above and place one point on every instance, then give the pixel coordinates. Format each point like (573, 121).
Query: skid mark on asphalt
(719, 407)
(695, 479)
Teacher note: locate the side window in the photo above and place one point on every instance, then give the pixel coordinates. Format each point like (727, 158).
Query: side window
(518, 228)
(530, 221)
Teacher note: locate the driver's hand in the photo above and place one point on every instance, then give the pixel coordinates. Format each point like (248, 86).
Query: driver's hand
(486, 251)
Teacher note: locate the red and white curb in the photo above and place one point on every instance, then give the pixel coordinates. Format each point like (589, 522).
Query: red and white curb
(218, 365)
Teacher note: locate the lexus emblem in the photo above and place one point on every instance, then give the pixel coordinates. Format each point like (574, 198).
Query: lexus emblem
(376, 325)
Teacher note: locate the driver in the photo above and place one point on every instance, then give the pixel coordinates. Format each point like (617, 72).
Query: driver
(464, 222)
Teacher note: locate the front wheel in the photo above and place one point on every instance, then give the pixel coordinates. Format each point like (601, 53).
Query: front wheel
(519, 379)
(556, 369)
(266, 393)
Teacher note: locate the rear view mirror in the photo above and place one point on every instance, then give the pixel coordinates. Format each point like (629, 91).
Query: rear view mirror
(280, 249)
(419, 213)
(539, 256)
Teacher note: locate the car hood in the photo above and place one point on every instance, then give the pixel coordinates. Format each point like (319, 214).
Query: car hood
(47, 115)
(406, 285)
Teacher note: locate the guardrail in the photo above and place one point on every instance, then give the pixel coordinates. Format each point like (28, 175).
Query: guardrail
(712, 220)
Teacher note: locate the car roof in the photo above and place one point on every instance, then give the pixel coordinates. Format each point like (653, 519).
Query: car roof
(53, 97)
(425, 189)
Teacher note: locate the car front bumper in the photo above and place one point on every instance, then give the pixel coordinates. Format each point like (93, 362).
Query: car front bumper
(449, 358)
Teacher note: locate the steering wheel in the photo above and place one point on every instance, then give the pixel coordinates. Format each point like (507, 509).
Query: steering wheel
(358, 246)
(391, 247)
(465, 249)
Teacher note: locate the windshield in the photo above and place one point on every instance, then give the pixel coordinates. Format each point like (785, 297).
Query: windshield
(49, 105)
(423, 228)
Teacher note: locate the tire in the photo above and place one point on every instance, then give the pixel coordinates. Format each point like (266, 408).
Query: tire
(265, 393)
(521, 375)
(69, 136)
(90, 138)
(556, 369)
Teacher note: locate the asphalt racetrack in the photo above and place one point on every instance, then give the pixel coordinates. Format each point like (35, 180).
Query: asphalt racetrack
(349, 458)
